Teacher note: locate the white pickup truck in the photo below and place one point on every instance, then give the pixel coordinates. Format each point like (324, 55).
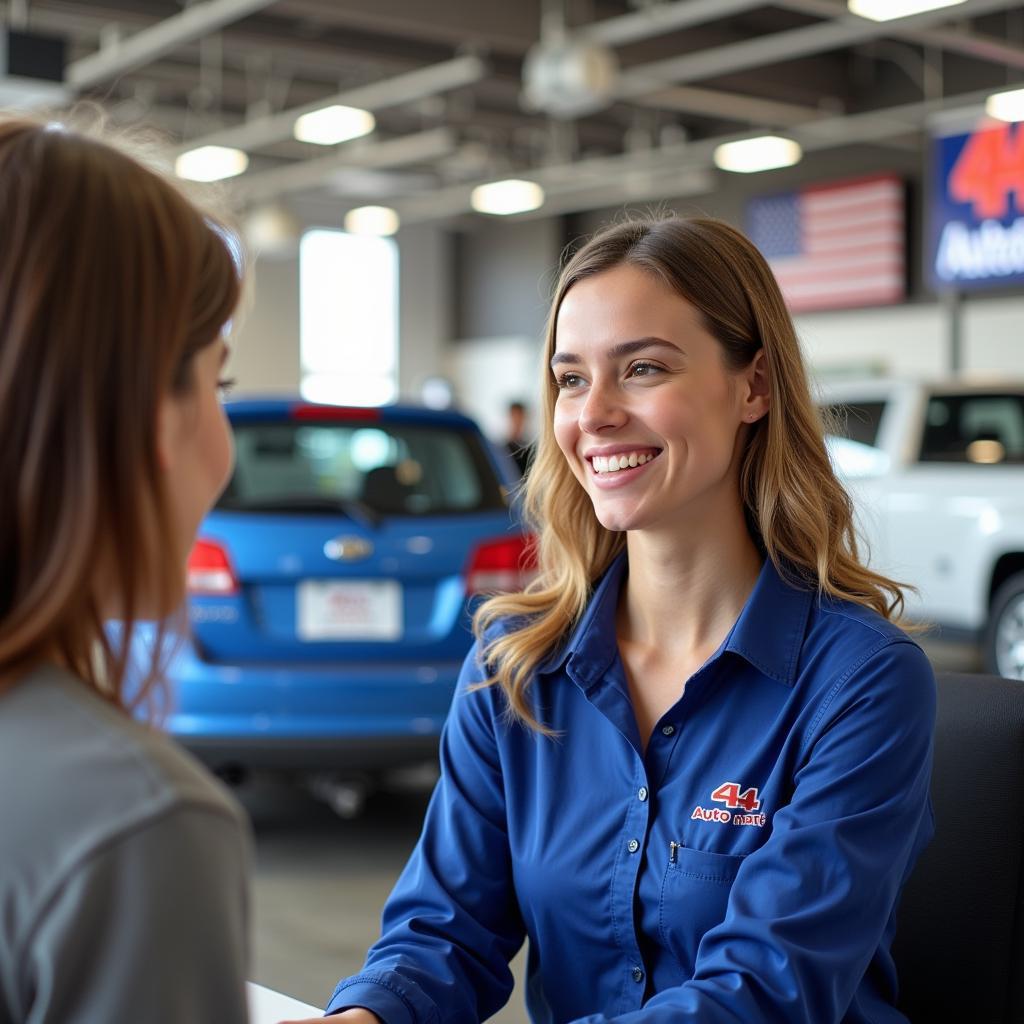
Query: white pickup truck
(936, 471)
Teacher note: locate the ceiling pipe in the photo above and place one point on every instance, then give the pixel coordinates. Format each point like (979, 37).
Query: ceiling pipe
(661, 18)
(954, 40)
(397, 152)
(391, 92)
(193, 23)
(846, 30)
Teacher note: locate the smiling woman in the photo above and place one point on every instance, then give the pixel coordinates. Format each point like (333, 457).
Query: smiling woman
(690, 762)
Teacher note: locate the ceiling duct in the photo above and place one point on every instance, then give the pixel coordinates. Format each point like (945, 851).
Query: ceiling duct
(31, 69)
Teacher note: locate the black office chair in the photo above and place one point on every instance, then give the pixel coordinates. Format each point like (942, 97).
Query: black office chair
(959, 944)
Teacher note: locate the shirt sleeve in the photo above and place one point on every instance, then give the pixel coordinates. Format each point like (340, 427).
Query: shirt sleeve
(809, 909)
(151, 928)
(452, 923)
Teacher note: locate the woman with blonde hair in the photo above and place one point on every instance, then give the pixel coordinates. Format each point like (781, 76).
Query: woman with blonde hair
(122, 863)
(691, 762)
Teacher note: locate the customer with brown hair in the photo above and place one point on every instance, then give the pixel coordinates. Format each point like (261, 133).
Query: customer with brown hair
(122, 863)
(690, 763)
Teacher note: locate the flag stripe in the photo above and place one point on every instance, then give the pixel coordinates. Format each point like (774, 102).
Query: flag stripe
(835, 245)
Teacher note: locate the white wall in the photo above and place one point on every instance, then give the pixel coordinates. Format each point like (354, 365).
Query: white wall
(488, 373)
(916, 339)
(265, 354)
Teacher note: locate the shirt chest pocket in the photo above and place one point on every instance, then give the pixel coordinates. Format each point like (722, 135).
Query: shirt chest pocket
(694, 896)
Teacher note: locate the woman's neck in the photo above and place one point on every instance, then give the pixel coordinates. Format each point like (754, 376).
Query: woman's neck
(683, 596)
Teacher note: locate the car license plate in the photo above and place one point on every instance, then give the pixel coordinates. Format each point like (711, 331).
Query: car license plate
(349, 610)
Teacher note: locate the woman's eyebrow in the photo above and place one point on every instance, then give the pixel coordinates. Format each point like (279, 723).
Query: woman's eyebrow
(623, 348)
(225, 352)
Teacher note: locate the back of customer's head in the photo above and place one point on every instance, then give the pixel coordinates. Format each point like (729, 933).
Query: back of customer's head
(111, 281)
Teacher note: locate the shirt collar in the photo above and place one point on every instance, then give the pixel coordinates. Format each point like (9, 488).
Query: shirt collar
(768, 633)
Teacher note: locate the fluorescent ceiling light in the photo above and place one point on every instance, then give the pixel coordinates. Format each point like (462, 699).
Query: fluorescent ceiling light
(761, 154)
(889, 10)
(371, 220)
(1006, 106)
(210, 163)
(332, 125)
(509, 196)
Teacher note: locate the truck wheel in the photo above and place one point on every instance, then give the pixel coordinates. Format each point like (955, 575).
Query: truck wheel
(1004, 635)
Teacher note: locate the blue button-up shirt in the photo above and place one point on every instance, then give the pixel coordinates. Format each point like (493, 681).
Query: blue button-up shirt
(744, 868)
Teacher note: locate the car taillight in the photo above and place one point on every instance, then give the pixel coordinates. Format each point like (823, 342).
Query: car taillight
(209, 570)
(503, 564)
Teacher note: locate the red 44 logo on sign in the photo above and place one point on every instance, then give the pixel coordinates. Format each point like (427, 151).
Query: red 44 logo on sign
(729, 794)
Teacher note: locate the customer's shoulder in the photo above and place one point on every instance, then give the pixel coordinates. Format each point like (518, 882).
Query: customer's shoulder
(85, 772)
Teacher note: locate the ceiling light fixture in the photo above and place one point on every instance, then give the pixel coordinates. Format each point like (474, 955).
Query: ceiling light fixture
(371, 220)
(890, 10)
(210, 163)
(513, 195)
(764, 153)
(331, 125)
(1006, 106)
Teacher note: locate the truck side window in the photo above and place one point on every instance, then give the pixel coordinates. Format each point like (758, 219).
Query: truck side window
(855, 421)
(979, 429)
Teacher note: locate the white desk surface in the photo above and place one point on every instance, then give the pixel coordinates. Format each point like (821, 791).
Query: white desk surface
(268, 1007)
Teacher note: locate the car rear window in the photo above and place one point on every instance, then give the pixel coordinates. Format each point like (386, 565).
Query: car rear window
(373, 468)
(985, 429)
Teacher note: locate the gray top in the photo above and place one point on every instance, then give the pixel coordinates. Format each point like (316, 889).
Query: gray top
(123, 869)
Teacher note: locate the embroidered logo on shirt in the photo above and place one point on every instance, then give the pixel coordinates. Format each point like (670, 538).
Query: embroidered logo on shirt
(741, 806)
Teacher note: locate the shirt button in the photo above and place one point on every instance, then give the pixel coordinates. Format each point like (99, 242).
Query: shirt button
(638, 974)
(642, 794)
(632, 846)
(667, 730)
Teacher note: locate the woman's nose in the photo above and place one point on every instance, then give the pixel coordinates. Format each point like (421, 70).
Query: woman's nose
(602, 409)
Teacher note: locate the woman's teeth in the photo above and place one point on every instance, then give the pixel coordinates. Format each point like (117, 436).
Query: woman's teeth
(613, 463)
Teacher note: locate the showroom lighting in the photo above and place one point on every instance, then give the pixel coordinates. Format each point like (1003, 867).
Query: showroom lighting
(764, 153)
(890, 10)
(1006, 106)
(512, 195)
(371, 220)
(210, 163)
(334, 124)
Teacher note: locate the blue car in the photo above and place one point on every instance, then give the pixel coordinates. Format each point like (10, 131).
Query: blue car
(330, 588)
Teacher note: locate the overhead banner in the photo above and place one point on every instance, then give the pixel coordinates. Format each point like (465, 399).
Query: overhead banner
(835, 246)
(976, 226)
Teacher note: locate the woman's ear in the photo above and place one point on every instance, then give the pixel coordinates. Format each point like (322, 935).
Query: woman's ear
(758, 394)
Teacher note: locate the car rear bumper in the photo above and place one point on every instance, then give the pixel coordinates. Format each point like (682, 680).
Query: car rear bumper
(325, 716)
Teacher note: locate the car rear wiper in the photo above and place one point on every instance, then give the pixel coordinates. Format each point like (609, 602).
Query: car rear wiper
(356, 510)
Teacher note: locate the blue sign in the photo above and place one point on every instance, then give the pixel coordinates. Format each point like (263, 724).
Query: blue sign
(976, 227)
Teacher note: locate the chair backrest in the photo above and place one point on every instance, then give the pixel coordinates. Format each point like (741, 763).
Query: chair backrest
(959, 945)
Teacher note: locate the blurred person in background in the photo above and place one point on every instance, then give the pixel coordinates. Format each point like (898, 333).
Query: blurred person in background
(123, 864)
(691, 762)
(519, 446)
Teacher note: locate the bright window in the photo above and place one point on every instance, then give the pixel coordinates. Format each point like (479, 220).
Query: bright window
(348, 318)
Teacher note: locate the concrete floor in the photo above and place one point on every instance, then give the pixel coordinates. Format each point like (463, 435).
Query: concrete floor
(320, 881)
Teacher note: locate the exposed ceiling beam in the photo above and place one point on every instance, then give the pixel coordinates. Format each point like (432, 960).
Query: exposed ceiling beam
(954, 40)
(402, 151)
(406, 88)
(660, 18)
(583, 177)
(729, 106)
(847, 30)
(149, 44)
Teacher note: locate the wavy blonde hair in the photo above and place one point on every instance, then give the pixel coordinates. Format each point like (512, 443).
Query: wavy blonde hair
(797, 512)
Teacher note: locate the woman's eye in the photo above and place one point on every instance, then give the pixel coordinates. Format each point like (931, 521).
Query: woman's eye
(226, 386)
(567, 380)
(643, 370)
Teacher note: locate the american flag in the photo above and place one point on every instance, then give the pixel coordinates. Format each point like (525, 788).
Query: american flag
(835, 246)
